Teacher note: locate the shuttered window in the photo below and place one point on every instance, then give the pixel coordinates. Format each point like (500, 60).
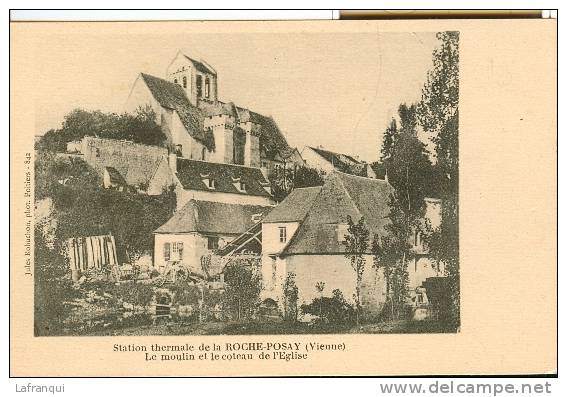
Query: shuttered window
(166, 251)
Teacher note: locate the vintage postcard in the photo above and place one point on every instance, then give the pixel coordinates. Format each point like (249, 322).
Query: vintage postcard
(283, 198)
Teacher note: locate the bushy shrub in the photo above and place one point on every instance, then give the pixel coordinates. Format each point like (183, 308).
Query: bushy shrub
(135, 293)
(334, 310)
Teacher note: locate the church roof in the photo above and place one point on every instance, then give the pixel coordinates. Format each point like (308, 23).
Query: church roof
(341, 195)
(200, 66)
(172, 96)
(212, 217)
(192, 172)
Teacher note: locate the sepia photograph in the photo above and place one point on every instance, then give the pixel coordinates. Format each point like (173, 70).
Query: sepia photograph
(251, 183)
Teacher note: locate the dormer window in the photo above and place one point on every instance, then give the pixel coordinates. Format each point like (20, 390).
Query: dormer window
(184, 81)
(267, 187)
(239, 185)
(208, 181)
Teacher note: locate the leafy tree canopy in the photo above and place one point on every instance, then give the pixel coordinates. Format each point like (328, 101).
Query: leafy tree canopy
(140, 127)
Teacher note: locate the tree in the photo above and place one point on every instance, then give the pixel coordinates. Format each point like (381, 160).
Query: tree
(140, 127)
(407, 163)
(388, 141)
(52, 288)
(334, 310)
(84, 208)
(391, 253)
(438, 113)
(320, 287)
(291, 296)
(284, 180)
(356, 247)
(242, 287)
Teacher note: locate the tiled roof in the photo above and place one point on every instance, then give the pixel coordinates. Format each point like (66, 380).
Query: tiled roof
(200, 66)
(191, 174)
(212, 217)
(115, 176)
(342, 162)
(342, 195)
(294, 207)
(172, 96)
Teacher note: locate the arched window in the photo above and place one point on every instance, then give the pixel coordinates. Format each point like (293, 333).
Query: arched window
(184, 81)
(207, 87)
(175, 81)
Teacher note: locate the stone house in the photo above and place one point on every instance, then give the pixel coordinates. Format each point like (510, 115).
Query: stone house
(225, 183)
(304, 235)
(327, 161)
(200, 228)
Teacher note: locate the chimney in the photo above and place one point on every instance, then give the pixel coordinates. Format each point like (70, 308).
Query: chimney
(173, 161)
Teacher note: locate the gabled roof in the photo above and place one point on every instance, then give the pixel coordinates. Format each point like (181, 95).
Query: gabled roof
(192, 172)
(342, 195)
(342, 162)
(172, 96)
(212, 217)
(115, 177)
(201, 66)
(294, 207)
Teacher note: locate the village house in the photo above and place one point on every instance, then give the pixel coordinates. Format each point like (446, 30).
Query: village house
(327, 161)
(226, 183)
(200, 228)
(199, 126)
(304, 235)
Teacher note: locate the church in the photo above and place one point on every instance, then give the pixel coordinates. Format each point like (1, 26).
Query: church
(199, 126)
(220, 156)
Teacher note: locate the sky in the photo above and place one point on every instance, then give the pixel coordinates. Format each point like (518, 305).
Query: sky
(337, 90)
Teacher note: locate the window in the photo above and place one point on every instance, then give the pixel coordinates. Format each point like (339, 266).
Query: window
(177, 251)
(283, 234)
(207, 87)
(203, 151)
(208, 181)
(179, 150)
(417, 238)
(199, 86)
(166, 251)
(97, 152)
(213, 243)
(184, 81)
(175, 81)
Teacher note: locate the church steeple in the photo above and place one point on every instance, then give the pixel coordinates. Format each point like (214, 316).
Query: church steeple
(198, 78)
